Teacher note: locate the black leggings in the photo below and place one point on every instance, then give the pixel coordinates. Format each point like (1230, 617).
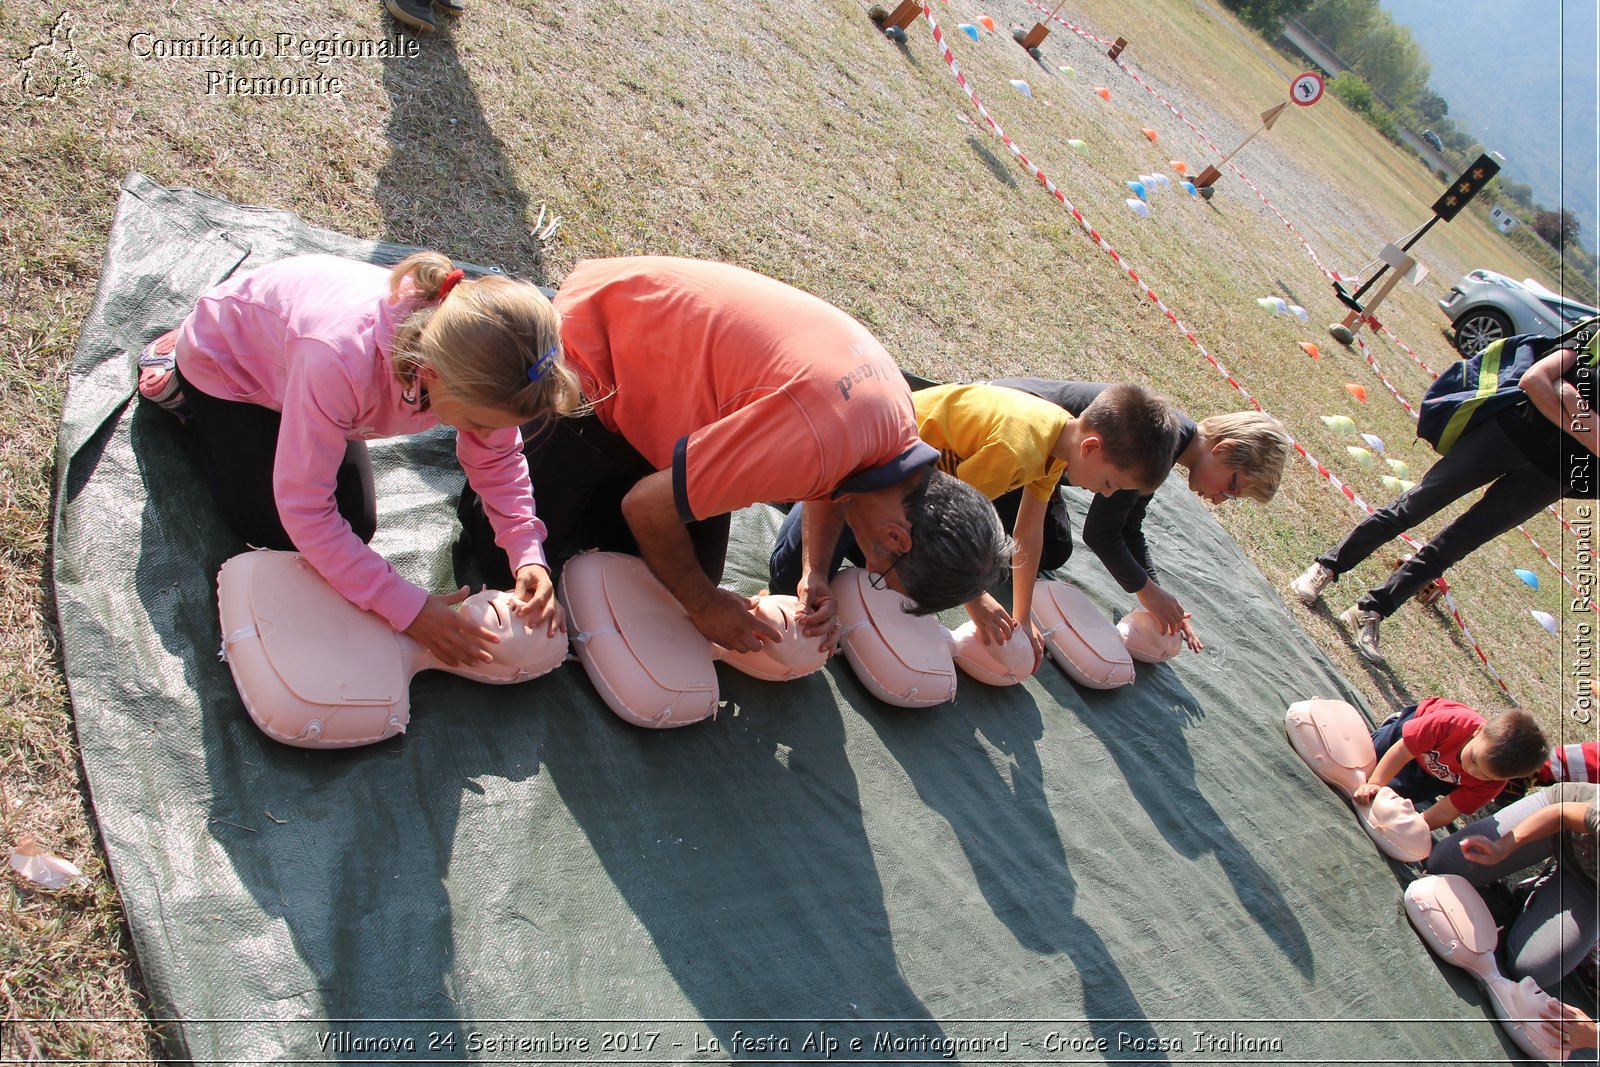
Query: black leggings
(580, 472)
(1485, 454)
(235, 445)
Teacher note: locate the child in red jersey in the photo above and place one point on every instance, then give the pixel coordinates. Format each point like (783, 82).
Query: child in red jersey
(1446, 752)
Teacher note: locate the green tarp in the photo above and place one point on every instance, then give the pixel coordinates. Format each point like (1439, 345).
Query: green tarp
(1039, 874)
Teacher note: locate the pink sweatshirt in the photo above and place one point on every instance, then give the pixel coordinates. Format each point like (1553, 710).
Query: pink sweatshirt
(309, 337)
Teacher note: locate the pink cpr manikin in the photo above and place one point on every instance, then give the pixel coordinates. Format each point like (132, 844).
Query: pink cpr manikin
(1080, 639)
(910, 660)
(1455, 924)
(315, 671)
(1142, 637)
(645, 657)
(1333, 739)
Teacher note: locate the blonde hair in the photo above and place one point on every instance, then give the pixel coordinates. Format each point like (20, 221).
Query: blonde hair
(493, 341)
(1258, 447)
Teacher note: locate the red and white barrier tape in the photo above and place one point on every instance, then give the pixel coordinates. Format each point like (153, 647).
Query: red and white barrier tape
(1105, 246)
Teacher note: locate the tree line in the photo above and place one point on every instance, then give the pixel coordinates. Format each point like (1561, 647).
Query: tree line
(1387, 84)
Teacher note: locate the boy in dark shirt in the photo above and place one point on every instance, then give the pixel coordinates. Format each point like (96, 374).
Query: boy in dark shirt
(1227, 456)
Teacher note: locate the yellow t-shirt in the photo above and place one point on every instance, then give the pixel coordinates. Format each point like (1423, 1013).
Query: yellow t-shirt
(994, 439)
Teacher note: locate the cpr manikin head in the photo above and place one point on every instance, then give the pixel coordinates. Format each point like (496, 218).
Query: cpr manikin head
(1141, 634)
(522, 653)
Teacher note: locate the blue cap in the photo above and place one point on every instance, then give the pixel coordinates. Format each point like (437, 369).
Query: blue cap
(891, 473)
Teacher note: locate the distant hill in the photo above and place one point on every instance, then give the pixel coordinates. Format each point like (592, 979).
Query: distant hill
(1521, 76)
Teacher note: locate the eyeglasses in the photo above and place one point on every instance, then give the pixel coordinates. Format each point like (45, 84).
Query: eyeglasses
(881, 581)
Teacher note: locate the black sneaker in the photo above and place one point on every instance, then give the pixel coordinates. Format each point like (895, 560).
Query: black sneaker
(418, 14)
(451, 7)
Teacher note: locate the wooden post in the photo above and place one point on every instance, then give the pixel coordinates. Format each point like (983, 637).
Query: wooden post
(904, 15)
(1345, 332)
(1116, 49)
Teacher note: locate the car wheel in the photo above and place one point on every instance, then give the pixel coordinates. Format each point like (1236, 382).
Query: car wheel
(1478, 328)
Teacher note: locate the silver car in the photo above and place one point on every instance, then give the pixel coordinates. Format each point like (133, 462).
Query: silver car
(1485, 306)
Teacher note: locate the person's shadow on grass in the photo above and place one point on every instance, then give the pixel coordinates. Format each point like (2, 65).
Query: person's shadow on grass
(448, 184)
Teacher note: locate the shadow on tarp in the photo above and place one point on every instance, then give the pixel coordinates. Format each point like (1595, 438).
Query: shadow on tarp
(978, 766)
(524, 867)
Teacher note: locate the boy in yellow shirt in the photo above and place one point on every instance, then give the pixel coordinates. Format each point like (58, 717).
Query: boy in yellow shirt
(997, 440)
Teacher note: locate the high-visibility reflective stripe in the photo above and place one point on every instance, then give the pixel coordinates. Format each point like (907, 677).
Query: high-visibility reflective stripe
(1572, 763)
(1488, 385)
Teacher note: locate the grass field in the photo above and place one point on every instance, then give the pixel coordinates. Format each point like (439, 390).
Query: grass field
(793, 139)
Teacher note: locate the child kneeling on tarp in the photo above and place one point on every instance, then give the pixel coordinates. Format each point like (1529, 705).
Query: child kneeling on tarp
(1443, 751)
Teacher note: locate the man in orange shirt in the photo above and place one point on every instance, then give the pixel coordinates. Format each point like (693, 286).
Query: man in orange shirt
(713, 388)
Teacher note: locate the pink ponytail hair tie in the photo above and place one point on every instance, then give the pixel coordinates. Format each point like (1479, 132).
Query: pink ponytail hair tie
(449, 283)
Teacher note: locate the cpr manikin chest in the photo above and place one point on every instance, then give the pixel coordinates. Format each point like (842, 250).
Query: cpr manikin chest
(643, 653)
(1333, 739)
(910, 660)
(1455, 924)
(1081, 640)
(315, 671)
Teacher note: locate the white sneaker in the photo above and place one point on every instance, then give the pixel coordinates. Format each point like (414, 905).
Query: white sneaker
(1310, 585)
(1365, 624)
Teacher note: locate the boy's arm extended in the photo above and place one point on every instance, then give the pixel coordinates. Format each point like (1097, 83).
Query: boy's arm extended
(1028, 532)
(1388, 766)
(1114, 531)
(1443, 813)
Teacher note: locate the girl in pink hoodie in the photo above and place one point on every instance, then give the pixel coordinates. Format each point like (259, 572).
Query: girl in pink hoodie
(283, 373)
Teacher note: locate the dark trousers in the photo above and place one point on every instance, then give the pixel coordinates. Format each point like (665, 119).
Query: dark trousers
(235, 445)
(1485, 454)
(580, 472)
(1412, 782)
(1057, 547)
